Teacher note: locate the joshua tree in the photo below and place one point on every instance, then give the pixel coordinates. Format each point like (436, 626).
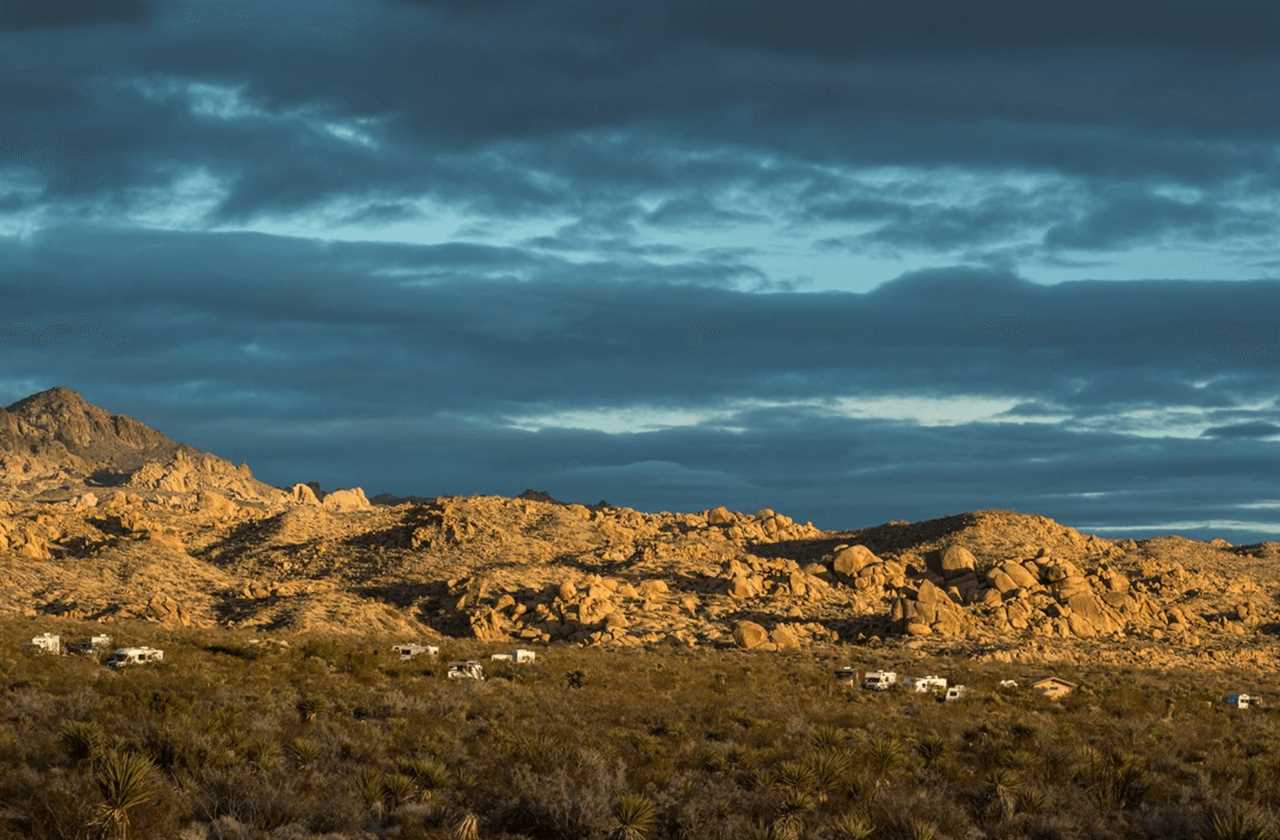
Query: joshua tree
(126, 784)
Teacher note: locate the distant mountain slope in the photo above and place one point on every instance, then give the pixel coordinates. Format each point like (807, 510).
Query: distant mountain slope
(58, 439)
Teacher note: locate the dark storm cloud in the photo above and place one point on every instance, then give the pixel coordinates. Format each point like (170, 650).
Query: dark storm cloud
(490, 328)
(32, 14)
(1257, 429)
(509, 111)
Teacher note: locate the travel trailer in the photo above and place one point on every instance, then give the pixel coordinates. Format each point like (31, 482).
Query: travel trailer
(124, 657)
(925, 685)
(847, 675)
(524, 657)
(469, 670)
(47, 643)
(954, 693)
(1236, 700)
(411, 649)
(880, 680)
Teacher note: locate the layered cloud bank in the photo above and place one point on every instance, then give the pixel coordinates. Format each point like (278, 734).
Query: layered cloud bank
(849, 261)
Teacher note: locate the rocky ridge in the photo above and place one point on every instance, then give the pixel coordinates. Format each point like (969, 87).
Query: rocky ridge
(183, 538)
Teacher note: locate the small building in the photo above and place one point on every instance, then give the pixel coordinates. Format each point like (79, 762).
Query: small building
(1237, 700)
(47, 643)
(847, 675)
(409, 650)
(469, 670)
(91, 646)
(524, 657)
(954, 693)
(125, 657)
(880, 680)
(1054, 688)
(925, 685)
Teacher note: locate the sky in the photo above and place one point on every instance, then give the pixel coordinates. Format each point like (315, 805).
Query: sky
(853, 261)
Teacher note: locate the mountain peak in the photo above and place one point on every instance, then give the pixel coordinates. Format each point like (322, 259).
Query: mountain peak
(61, 427)
(59, 395)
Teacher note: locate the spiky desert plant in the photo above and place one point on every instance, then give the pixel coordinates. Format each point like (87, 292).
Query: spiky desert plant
(82, 740)
(1241, 821)
(921, 830)
(633, 818)
(126, 783)
(1002, 791)
(304, 752)
(429, 772)
(828, 768)
(851, 826)
(826, 737)
(883, 755)
(930, 748)
(793, 775)
(399, 788)
(466, 828)
(308, 708)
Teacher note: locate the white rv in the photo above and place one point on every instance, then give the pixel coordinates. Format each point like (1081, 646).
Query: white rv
(411, 649)
(502, 657)
(47, 643)
(1237, 700)
(926, 685)
(880, 680)
(955, 692)
(469, 670)
(124, 657)
(524, 657)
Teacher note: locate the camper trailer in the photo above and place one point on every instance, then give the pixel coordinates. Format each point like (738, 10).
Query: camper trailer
(411, 649)
(469, 670)
(847, 675)
(954, 693)
(502, 657)
(47, 643)
(880, 680)
(926, 685)
(524, 657)
(1236, 700)
(125, 657)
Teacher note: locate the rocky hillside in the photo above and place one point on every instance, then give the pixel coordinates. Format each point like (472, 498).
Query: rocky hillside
(181, 537)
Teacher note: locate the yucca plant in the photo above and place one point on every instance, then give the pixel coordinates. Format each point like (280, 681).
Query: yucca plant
(826, 737)
(883, 755)
(126, 782)
(82, 740)
(851, 826)
(921, 830)
(466, 828)
(1241, 821)
(930, 748)
(304, 752)
(399, 788)
(1002, 792)
(633, 818)
(793, 775)
(828, 767)
(429, 772)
